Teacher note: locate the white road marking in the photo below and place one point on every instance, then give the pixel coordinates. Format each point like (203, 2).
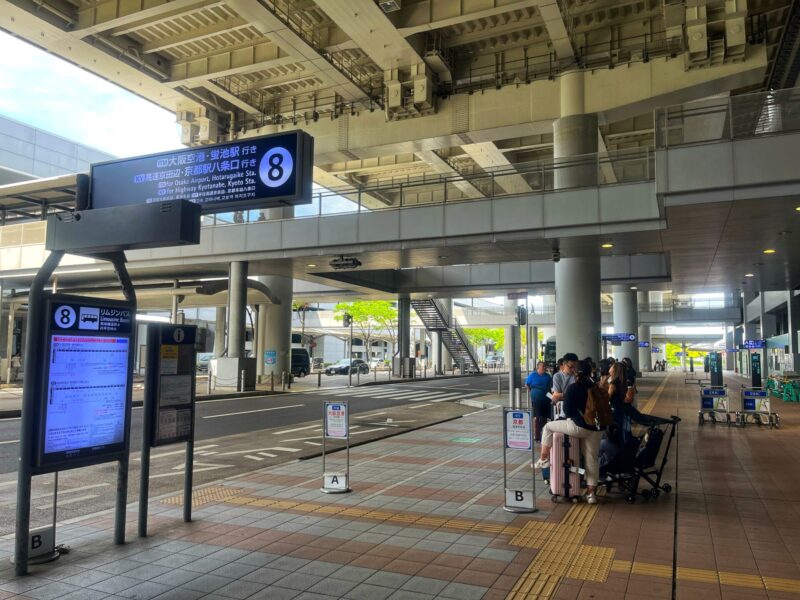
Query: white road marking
(300, 439)
(268, 455)
(251, 457)
(420, 405)
(174, 452)
(83, 488)
(256, 450)
(70, 501)
(10, 442)
(313, 443)
(482, 410)
(248, 412)
(295, 429)
(371, 415)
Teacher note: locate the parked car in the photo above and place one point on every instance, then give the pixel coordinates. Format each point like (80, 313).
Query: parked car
(203, 358)
(301, 362)
(341, 367)
(377, 363)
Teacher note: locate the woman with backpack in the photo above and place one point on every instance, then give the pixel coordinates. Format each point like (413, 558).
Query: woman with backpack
(580, 400)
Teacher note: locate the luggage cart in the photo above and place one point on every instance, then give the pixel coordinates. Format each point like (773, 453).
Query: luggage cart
(714, 402)
(757, 408)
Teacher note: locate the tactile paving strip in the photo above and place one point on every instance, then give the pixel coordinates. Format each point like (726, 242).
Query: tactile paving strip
(534, 586)
(201, 496)
(592, 563)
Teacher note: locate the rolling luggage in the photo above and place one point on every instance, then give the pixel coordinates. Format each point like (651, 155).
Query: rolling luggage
(565, 472)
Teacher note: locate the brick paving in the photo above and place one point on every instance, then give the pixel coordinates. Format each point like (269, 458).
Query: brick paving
(425, 520)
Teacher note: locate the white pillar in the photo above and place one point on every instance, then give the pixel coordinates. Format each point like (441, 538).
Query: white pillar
(260, 338)
(219, 332)
(237, 313)
(626, 320)
(578, 306)
(645, 354)
(277, 327)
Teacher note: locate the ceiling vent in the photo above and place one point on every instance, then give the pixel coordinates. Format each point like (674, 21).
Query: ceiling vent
(390, 5)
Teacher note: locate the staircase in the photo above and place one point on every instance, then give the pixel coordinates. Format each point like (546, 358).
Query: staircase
(437, 318)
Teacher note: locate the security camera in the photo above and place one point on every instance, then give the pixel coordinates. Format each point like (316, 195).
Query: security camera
(556, 256)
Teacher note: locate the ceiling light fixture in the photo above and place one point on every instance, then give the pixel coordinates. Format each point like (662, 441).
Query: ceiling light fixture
(770, 251)
(311, 265)
(749, 275)
(633, 287)
(607, 245)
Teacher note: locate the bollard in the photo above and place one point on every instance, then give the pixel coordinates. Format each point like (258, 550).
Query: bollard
(358, 377)
(241, 380)
(319, 378)
(272, 381)
(290, 377)
(498, 385)
(208, 384)
(375, 373)
(425, 371)
(283, 381)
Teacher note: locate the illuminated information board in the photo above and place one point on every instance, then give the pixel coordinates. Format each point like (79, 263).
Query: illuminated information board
(87, 374)
(261, 172)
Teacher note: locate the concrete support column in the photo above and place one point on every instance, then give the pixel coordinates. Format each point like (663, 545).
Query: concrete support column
(683, 356)
(533, 346)
(261, 338)
(645, 354)
(793, 306)
(729, 345)
(404, 327)
(626, 320)
(578, 306)
(767, 331)
(237, 313)
(278, 326)
(219, 332)
(577, 279)
(738, 337)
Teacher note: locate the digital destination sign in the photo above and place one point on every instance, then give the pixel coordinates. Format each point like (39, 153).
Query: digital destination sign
(619, 337)
(87, 374)
(259, 172)
(753, 345)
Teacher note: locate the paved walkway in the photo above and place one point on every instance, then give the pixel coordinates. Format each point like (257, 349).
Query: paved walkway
(424, 521)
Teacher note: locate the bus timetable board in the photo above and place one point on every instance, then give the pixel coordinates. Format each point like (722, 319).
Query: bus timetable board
(260, 172)
(86, 373)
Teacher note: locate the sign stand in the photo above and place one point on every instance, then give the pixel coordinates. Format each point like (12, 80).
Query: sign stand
(33, 392)
(518, 435)
(336, 425)
(169, 405)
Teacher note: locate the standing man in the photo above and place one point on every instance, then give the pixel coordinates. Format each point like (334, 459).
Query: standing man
(562, 380)
(539, 383)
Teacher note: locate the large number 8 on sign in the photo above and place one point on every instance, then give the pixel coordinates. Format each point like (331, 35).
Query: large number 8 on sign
(276, 167)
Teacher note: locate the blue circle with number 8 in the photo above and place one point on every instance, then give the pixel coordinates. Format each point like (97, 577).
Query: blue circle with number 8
(276, 167)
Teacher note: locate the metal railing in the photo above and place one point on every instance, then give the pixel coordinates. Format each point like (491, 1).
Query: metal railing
(723, 119)
(443, 312)
(626, 166)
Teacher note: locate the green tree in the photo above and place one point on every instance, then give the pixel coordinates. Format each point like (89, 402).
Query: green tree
(301, 308)
(369, 318)
(481, 336)
(675, 360)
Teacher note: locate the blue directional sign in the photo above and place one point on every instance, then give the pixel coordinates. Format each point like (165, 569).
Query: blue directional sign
(753, 345)
(644, 344)
(619, 337)
(261, 172)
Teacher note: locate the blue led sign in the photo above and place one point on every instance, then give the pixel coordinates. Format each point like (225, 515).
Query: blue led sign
(620, 337)
(753, 345)
(260, 172)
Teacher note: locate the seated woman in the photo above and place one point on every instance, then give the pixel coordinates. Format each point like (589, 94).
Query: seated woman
(575, 426)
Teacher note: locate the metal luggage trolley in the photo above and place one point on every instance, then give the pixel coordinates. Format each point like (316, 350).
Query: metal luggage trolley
(757, 408)
(714, 402)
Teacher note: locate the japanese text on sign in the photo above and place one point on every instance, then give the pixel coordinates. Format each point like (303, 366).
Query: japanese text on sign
(336, 420)
(518, 430)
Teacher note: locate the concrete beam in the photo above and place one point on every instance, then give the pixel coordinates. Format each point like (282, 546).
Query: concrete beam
(488, 157)
(442, 166)
(332, 182)
(227, 25)
(292, 43)
(624, 92)
(429, 15)
(221, 92)
(256, 56)
(125, 16)
(366, 24)
(557, 30)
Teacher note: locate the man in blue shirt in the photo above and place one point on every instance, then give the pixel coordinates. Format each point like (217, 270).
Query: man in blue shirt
(539, 384)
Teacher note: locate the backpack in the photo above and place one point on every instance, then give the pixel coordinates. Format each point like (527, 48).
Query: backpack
(648, 453)
(598, 408)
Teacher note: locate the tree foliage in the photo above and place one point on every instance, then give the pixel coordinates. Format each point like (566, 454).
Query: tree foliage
(369, 318)
(481, 336)
(672, 359)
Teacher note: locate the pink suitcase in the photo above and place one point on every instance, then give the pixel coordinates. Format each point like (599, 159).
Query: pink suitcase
(565, 462)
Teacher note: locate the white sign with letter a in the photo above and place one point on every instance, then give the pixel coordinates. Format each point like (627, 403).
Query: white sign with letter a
(520, 499)
(334, 481)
